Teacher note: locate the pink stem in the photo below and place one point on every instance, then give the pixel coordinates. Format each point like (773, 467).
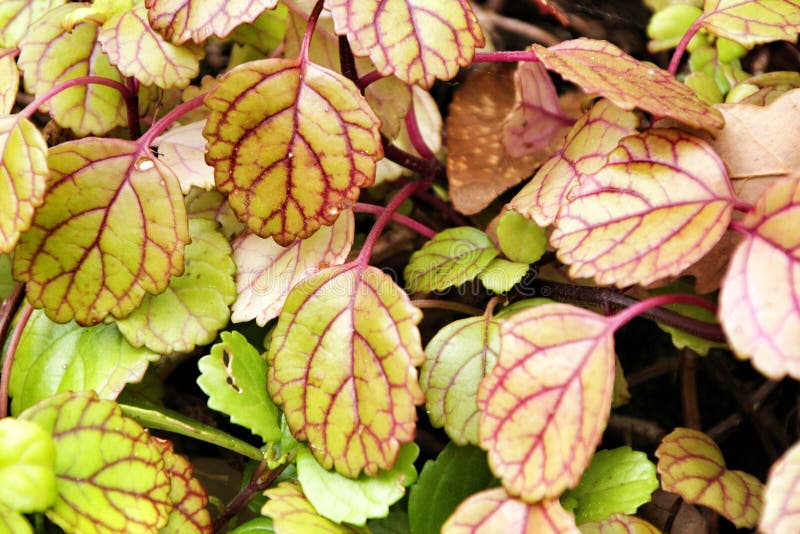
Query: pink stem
(506, 56)
(368, 79)
(656, 302)
(310, 27)
(13, 52)
(164, 122)
(415, 136)
(678, 54)
(8, 362)
(741, 205)
(737, 226)
(408, 222)
(383, 220)
(31, 108)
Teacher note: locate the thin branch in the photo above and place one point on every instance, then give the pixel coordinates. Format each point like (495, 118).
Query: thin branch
(8, 362)
(679, 51)
(261, 480)
(409, 161)
(166, 121)
(691, 408)
(31, 108)
(408, 222)
(505, 56)
(310, 27)
(368, 78)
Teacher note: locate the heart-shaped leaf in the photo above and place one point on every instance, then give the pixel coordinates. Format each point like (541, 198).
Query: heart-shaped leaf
(53, 358)
(458, 357)
(763, 273)
(600, 67)
(27, 463)
(520, 239)
(546, 402)
(182, 149)
(16, 17)
(619, 524)
(23, 175)
(290, 143)
(181, 20)
(291, 512)
(691, 465)
(108, 471)
(51, 54)
(112, 228)
(585, 152)
(493, 511)
(195, 306)
(9, 81)
(267, 271)
(342, 366)
(451, 258)
(234, 376)
(416, 40)
(187, 495)
(752, 22)
(781, 511)
(661, 202)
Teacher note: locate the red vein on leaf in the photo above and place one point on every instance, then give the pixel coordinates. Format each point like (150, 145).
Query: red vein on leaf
(312, 25)
(368, 79)
(13, 52)
(384, 218)
(656, 302)
(8, 362)
(415, 136)
(418, 227)
(679, 51)
(505, 56)
(31, 108)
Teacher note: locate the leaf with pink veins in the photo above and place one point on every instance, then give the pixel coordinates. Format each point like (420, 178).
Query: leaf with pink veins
(585, 151)
(182, 149)
(545, 404)
(781, 513)
(494, 510)
(181, 20)
(419, 41)
(660, 203)
(16, 17)
(752, 22)
(619, 524)
(602, 68)
(9, 82)
(759, 301)
(267, 271)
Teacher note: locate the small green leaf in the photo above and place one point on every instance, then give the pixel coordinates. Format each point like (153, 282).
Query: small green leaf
(54, 358)
(617, 480)
(667, 26)
(353, 501)
(110, 475)
(234, 376)
(12, 522)
(520, 239)
(457, 473)
(259, 525)
(501, 275)
(27, 463)
(6, 282)
(683, 339)
(451, 258)
(266, 32)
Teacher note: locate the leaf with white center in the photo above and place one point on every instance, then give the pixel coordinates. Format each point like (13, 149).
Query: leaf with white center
(181, 20)
(182, 149)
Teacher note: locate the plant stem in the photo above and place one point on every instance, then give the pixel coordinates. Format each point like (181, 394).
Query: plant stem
(132, 107)
(310, 27)
(737, 226)
(655, 302)
(166, 121)
(505, 56)
(415, 136)
(409, 161)
(741, 205)
(7, 308)
(678, 54)
(13, 52)
(258, 482)
(447, 305)
(442, 206)
(8, 362)
(408, 222)
(384, 218)
(31, 108)
(368, 79)
(347, 63)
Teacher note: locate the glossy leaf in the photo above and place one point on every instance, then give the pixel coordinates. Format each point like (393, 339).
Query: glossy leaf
(546, 402)
(16, 17)
(418, 41)
(112, 228)
(234, 376)
(763, 273)
(9, 81)
(23, 175)
(195, 306)
(451, 258)
(752, 22)
(520, 239)
(661, 203)
(458, 357)
(691, 465)
(140, 52)
(182, 149)
(188, 498)
(344, 500)
(342, 366)
(457, 473)
(267, 271)
(619, 524)
(27, 463)
(617, 481)
(50, 55)
(53, 358)
(536, 122)
(585, 151)
(600, 67)
(781, 512)
(493, 511)
(290, 144)
(291, 512)
(12, 522)
(502, 275)
(109, 475)
(181, 20)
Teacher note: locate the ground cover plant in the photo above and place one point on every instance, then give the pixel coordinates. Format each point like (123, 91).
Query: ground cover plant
(253, 281)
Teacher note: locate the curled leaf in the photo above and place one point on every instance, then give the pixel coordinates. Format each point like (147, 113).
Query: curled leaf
(181, 20)
(781, 511)
(290, 143)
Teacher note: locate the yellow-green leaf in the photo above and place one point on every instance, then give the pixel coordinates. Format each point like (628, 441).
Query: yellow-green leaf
(290, 143)
(619, 524)
(9, 82)
(112, 228)
(23, 175)
(51, 55)
(600, 67)
(342, 366)
(781, 513)
(16, 17)
(416, 40)
(691, 465)
(502, 275)
(188, 497)
(291, 512)
(660, 203)
(140, 52)
(181, 20)
(752, 22)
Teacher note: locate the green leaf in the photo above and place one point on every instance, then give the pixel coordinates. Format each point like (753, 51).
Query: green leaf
(291, 512)
(108, 471)
(457, 473)
(266, 32)
(394, 523)
(234, 376)
(260, 525)
(54, 358)
(752, 22)
(12, 522)
(667, 26)
(6, 282)
(27, 462)
(617, 480)
(9, 82)
(520, 239)
(189, 500)
(451, 258)
(353, 501)
(16, 17)
(195, 306)
(501, 275)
